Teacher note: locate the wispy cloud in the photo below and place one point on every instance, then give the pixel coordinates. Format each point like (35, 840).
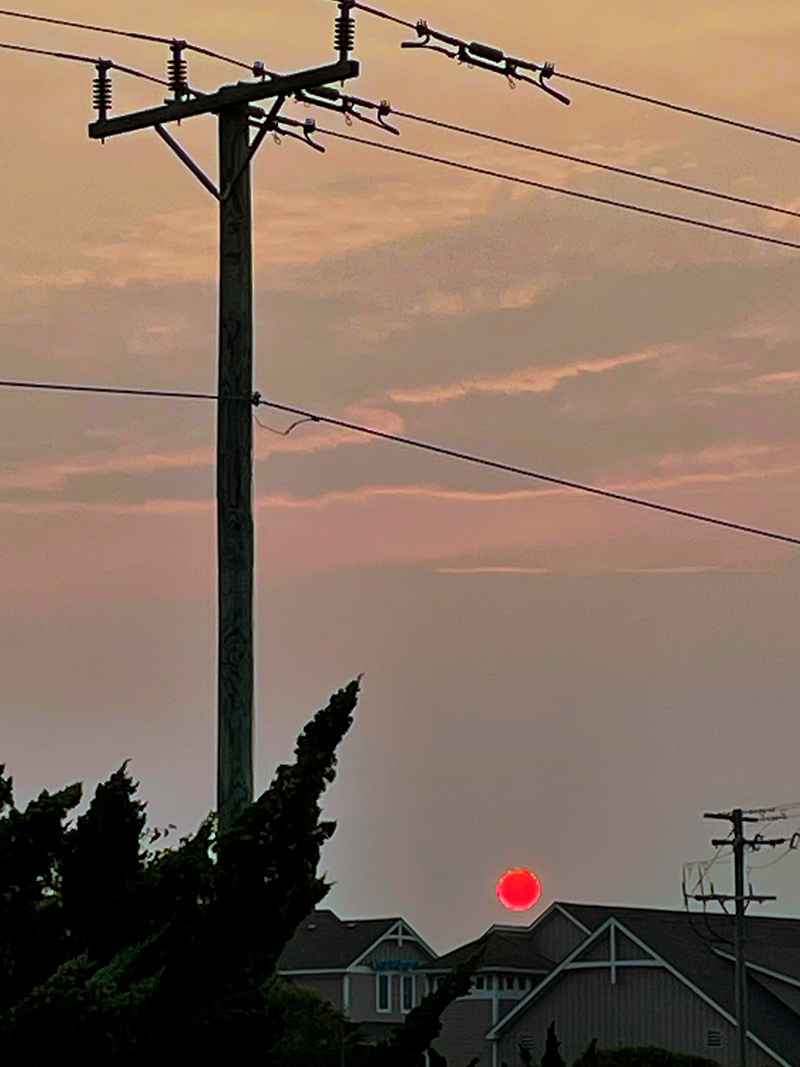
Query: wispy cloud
(524, 380)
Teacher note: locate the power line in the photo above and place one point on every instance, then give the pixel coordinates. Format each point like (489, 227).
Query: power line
(629, 173)
(113, 390)
(311, 416)
(525, 472)
(155, 38)
(592, 198)
(695, 112)
(617, 91)
(77, 58)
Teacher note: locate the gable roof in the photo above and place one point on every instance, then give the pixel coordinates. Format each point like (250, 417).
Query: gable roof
(505, 947)
(677, 939)
(325, 942)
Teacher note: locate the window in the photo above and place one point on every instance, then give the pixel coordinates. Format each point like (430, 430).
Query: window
(510, 981)
(383, 993)
(480, 982)
(714, 1039)
(490, 981)
(522, 983)
(407, 984)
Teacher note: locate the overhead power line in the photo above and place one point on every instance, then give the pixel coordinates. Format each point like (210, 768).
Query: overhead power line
(112, 390)
(155, 38)
(655, 101)
(77, 58)
(612, 168)
(524, 471)
(257, 400)
(590, 197)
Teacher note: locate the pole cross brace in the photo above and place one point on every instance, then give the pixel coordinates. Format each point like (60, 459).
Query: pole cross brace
(185, 158)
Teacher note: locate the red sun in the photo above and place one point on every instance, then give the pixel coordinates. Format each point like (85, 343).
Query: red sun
(518, 889)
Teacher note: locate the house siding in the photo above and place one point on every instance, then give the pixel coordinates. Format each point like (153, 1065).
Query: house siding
(555, 936)
(464, 1027)
(647, 1006)
(327, 986)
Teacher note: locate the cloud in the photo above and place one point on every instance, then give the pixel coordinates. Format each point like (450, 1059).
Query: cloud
(525, 380)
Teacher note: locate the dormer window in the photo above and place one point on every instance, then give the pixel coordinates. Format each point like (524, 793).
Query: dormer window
(383, 992)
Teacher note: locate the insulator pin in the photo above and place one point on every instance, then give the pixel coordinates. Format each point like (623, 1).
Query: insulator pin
(101, 91)
(344, 34)
(178, 71)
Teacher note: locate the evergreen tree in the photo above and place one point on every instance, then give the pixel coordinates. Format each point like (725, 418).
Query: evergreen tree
(552, 1057)
(589, 1057)
(113, 953)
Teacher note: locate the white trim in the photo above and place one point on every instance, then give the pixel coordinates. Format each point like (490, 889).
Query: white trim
(314, 970)
(612, 952)
(387, 934)
(388, 1009)
(613, 965)
(560, 908)
(550, 977)
(704, 996)
(346, 993)
(568, 963)
(761, 970)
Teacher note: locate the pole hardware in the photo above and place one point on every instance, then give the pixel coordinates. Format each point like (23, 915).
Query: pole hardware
(101, 89)
(187, 160)
(344, 32)
(741, 900)
(487, 57)
(332, 99)
(178, 71)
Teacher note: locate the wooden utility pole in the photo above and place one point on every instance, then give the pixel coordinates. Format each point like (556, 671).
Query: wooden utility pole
(739, 844)
(235, 107)
(235, 470)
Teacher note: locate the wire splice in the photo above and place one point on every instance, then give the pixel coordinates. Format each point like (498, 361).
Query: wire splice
(177, 70)
(344, 33)
(485, 56)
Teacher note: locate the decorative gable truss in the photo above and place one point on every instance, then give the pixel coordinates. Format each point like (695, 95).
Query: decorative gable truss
(615, 947)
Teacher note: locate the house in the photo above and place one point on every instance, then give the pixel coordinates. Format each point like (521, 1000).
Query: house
(628, 976)
(368, 968)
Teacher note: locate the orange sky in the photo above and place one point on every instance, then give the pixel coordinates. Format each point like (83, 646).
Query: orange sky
(551, 681)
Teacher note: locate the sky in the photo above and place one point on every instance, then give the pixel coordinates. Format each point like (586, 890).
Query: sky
(550, 680)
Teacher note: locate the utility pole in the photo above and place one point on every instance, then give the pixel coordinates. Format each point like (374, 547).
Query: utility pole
(237, 112)
(739, 844)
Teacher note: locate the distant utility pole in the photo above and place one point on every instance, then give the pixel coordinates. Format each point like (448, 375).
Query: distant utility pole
(237, 113)
(740, 844)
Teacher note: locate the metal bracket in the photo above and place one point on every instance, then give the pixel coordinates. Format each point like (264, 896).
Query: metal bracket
(264, 129)
(185, 158)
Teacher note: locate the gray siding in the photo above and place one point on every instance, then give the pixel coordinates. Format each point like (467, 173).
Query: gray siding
(646, 1007)
(464, 1028)
(556, 936)
(327, 986)
(789, 994)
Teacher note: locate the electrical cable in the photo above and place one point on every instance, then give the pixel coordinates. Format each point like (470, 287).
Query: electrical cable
(311, 416)
(629, 173)
(114, 390)
(86, 26)
(765, 131)
(523, 471)
(155, 38)
(590, 197)
(77, 58)
(641, 97)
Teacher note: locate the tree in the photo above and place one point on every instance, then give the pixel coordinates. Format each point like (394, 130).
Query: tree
(552, 1057)
(110, 952)
(589, 1058)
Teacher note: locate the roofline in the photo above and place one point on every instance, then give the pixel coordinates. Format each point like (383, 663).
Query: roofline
(779, 975)
(494, 1032)
(392, 922)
